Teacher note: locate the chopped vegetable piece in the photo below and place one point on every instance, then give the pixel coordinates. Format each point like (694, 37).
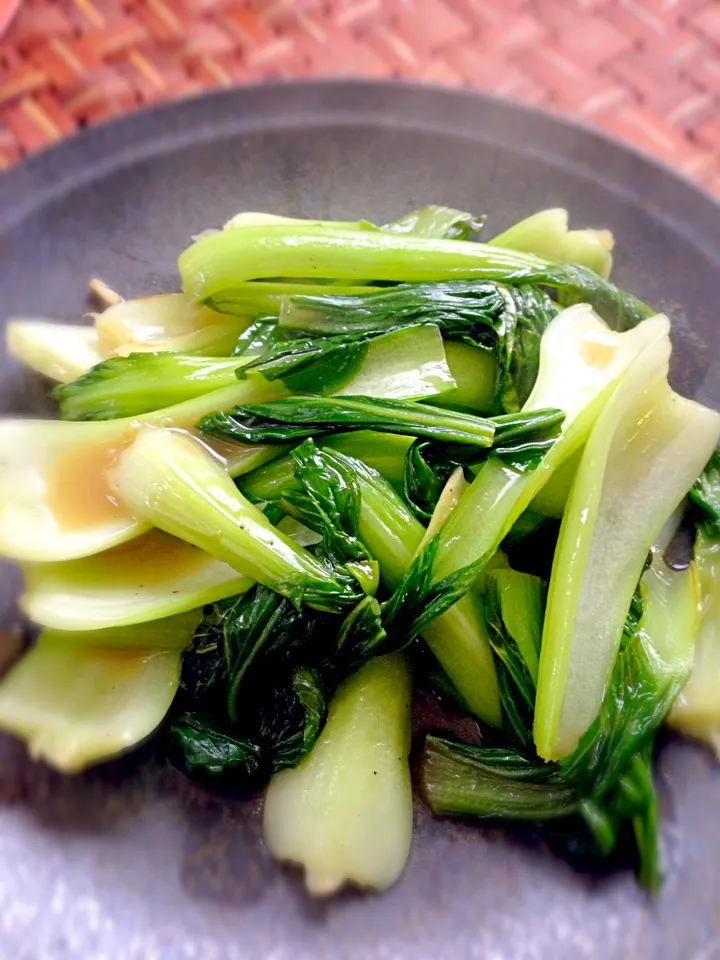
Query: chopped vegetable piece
(141, 382)
(491, 783)
(345, 812)
(170, 480)
(153, 576)
(59, 351)
(546, 234)
(226, 260)
(474, 371)
(296, 418)
(581, 359)
(167, 321)
(55, 503)
(697, 709)
(437, 221)
(79, 699)
(645, 450)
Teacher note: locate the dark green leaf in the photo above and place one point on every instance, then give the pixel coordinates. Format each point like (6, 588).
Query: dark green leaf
(705, 492)
(211, 754)
(480, 782)
(260, 623)
(427, 470)
(258, 337)
(463, 309)
(509, 321)
(362, 635)
(299, 417)
(521, 441)
(290, 719)
(310, 364)
(328, 501)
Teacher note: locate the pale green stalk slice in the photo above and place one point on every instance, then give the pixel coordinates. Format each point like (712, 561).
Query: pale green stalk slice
(172, 481)
(60, 351)
(79, 699)
(345, 812)
(153, 576)
(697, 710)
(645, 450)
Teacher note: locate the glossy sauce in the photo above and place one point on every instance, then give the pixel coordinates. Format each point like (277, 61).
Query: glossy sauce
(79, 495)
(224, 450)
(158, 556)
(596, 353)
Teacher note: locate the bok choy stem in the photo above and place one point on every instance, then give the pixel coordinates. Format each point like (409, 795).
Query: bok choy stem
(392, 536)
(580, 361)
(645, 450)
(80, 699)
(226, 260)
(173, 482)
(345, 812)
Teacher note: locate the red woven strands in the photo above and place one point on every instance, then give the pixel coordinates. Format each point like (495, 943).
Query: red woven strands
(647, 71)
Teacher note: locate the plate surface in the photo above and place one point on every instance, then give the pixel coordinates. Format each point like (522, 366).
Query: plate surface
(131, 861)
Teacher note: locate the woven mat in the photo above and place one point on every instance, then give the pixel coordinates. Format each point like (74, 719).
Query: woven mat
(647, 71)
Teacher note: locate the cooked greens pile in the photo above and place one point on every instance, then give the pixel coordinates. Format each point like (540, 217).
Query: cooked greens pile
(348, 461)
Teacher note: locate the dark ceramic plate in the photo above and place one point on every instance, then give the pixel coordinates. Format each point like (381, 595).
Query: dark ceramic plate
(132, 862)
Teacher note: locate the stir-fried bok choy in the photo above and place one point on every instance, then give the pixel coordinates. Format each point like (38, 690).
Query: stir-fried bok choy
(346, 461)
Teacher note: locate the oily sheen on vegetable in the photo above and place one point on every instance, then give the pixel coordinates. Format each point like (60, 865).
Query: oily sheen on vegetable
(348, 462)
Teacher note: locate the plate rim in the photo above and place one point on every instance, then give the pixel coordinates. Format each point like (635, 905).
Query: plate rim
(89, 153)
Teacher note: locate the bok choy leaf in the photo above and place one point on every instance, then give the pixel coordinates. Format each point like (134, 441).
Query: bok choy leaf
(252, 701)
(392, 536)
(580, 362)
(506, 322)
(141, 382)
(299, 417)
(435, 221)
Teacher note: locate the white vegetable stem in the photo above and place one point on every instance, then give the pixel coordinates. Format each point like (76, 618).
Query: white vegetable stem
(59, 351)
(54, 502)
(645, 450)
(167, 321)
(345, 812)
(172, 481)
(153, 576)
(77, 700)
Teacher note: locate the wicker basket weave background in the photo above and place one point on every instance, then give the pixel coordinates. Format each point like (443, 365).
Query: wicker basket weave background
(647, 71)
